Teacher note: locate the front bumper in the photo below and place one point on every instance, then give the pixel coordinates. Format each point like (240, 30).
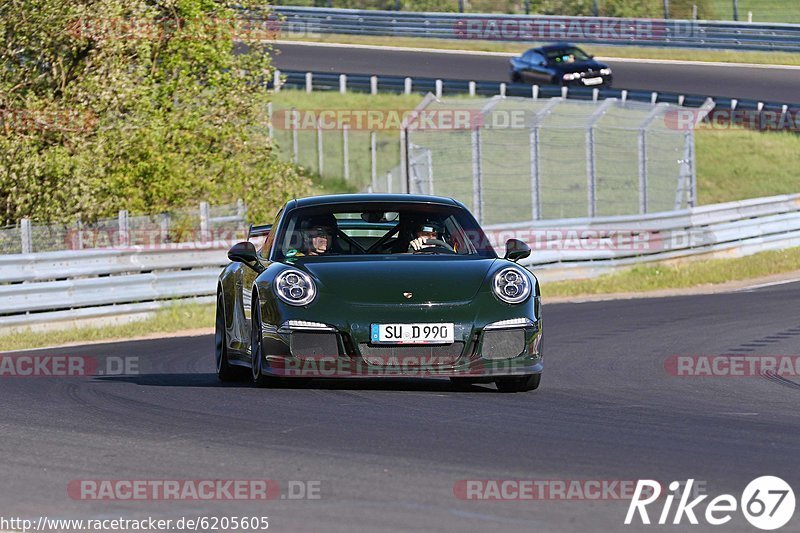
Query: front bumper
(309, 350)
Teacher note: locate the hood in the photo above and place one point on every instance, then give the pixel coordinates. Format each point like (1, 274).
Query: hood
(383, 280)
(579, 66)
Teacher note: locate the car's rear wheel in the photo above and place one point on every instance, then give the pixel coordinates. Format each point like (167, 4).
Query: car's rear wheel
(225, 371)
(518, 383)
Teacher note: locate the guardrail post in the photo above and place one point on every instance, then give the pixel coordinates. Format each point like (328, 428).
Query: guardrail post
(438, 88)
(653, 97)
(346, 151)
(477, 187)
(276, 83)
(595, 94)
(373, 84)
(295, 150)
(343, 83)
(123, 228)
(309, 82)
(535, 92)
(472, 88)
(407, 85)
(624, 95)
(503, 89)
(564, 92)
(26, 235)
(373, 151)
(681, 99)
(320, 156)
(536, 212)
(204, 230)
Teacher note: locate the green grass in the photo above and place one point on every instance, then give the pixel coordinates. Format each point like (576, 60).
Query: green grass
(763, 10)
(172, 318)
(675, 276)
(738, 164)
(632, 52)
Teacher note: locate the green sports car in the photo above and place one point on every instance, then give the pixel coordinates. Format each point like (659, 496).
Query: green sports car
(378, 285)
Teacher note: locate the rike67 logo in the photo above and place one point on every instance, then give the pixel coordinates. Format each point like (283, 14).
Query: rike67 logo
(767, 503)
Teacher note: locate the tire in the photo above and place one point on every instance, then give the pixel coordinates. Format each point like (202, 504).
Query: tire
(461, 381)
(518, 383)
(258, 377)
(225, 371)
(516, 78)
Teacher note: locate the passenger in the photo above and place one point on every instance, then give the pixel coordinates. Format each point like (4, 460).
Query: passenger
(319, 234)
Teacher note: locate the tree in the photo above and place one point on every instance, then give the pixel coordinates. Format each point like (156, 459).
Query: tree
(128, 104)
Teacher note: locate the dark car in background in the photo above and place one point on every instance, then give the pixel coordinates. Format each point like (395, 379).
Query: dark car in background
(560, 64)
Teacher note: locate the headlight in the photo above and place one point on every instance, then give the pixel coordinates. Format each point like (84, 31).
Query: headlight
(295, 287)
(511, 285)
(605, 71)
(571, 76)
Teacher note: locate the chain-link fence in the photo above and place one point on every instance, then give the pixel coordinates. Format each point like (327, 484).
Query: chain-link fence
(208, 225)
(741, 10)
(543, 159)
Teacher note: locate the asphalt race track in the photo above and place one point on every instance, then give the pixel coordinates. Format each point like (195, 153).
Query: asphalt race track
(765, 84)
(388, 452)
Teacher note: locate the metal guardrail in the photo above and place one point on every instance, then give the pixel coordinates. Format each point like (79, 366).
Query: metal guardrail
(532, 28)
(326, 81)
(62, 287)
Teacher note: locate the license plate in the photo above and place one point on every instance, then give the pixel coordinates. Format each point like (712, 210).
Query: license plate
(412, 333)
(592, 81)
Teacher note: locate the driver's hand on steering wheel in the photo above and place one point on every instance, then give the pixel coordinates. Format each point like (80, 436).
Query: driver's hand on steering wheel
(419, 244)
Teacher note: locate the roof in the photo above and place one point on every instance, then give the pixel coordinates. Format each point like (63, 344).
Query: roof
(372, 198)
(555, 46)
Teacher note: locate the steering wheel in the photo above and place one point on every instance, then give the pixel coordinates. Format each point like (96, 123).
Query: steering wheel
(435, 246)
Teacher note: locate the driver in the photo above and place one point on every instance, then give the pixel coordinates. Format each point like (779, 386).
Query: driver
(318, 234)
(426, 231)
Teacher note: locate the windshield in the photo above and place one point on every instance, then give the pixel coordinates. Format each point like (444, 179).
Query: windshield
(359, 230)
(566, 55)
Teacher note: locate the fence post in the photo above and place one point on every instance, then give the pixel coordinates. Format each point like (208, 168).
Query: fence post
(373, 150)
(123, 227)
(429, 161)
(736, 10)
(343, 83)
(666, 9)
(591, 156)
(276, 83)
(477, 192)
(269, 120)
(204, 222)
(295, 149)
(165, 223)
(346, 151)
(389, 181)
(692, 200)
(309, 82)
(404, 174)
(643, 171)
(79, 239)
(26, 235)
(320, 157)
(536, 212)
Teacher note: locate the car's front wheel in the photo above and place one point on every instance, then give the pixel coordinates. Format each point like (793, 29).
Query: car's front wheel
(518, 383)
(256, 355)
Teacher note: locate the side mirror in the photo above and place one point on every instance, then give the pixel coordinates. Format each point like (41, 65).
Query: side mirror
(245, 252)
(516, 250)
